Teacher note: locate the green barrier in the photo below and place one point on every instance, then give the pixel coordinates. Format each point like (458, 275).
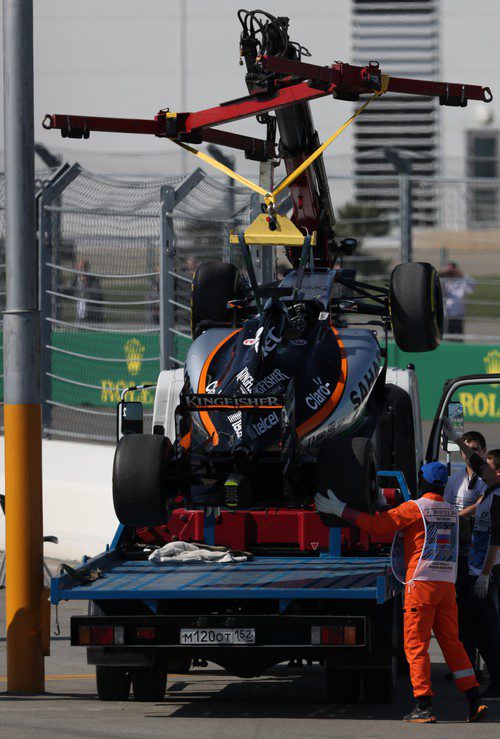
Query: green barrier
(452, 359)
(124, 360)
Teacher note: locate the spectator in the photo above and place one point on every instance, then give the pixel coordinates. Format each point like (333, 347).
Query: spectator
(463, 490)
(86, 288)
(153, 296)
(456, 286)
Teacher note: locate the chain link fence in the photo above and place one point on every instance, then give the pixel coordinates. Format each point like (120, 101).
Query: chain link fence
(116, 264)
(464, 245)
(117, 256)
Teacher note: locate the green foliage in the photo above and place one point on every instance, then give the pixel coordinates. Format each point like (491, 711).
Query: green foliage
(355, 219)
(358, 220)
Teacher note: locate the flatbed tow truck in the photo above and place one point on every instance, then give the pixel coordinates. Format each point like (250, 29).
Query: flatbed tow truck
(311, 588)
(314, 605)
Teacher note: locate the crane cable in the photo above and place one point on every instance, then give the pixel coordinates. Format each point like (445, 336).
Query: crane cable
(270, 197)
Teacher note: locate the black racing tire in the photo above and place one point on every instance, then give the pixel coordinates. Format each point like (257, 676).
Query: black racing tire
(416, 304)
(396, 436)
(349, 468)
(214, 283)
(140, 471)
(149, 683)
(342, 686)
(113, 683)
(379, 683)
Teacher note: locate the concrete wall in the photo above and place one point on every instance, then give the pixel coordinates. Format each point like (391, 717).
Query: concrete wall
(77, 500)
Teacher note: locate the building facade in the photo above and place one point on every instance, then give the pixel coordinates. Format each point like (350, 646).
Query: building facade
(404, 37)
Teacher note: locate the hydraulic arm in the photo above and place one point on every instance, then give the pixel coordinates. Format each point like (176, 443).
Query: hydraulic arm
(278, 81)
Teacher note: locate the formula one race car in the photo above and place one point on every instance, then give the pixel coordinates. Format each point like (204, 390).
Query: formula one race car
(284, 391)
(274, 405)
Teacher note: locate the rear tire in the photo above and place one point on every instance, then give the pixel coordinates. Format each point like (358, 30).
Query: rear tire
(113, 683)
(214, 284)
(349, 468)
(179, 665)
(379, 683)
(416, 303)
(149, 684)
(140, 479)
(397, 436)
(342, 686)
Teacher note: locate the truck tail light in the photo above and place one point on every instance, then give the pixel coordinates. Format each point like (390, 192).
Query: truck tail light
(84, 635)
(102, 635)
(334, 635)
(145, 632)
(350, 635)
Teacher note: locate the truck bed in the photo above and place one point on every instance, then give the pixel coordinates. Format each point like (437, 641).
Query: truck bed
(263, 577)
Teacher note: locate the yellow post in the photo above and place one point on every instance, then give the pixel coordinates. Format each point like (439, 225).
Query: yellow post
(24, 548)
(21, 355)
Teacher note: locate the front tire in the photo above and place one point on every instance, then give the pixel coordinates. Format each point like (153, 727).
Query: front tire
(140, 476)
(416, 304)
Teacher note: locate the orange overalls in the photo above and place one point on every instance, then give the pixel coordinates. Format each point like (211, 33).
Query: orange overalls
(429, 605)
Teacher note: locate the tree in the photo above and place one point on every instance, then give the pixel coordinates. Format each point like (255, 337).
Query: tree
(359, 221)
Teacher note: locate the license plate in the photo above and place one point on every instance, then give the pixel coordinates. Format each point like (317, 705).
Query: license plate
(217, 636)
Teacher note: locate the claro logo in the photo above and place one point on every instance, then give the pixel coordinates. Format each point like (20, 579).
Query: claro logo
(318, 396)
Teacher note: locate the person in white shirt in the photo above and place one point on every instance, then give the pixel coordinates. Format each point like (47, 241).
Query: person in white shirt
(456, 286)
(463, 490)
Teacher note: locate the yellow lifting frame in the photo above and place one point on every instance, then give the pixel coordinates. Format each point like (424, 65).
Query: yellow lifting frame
(260, 231)
(285, 234)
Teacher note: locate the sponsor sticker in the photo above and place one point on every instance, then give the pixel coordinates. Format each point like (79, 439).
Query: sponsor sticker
(364, 385)
(266, 423)
(248, 342)
(271, 380)
(323, 316)
(202, 402)
(270, 342)
(319, 396)
(299, 342)
(245, 379)
(235, 421)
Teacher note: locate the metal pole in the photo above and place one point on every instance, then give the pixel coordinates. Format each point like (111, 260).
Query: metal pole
(405, 215)
(23, 445)
(266, 180)
(167, 281)
(183, 66)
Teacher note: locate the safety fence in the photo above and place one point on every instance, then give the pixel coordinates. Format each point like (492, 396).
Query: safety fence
(117, 257)
(116, 260)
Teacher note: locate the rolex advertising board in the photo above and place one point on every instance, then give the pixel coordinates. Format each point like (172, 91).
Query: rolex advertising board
(452, 359)
(120, 361)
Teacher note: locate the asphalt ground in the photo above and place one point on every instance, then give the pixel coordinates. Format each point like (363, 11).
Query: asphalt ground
(210, 703)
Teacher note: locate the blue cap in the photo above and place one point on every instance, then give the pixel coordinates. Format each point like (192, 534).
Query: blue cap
(435, 473)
